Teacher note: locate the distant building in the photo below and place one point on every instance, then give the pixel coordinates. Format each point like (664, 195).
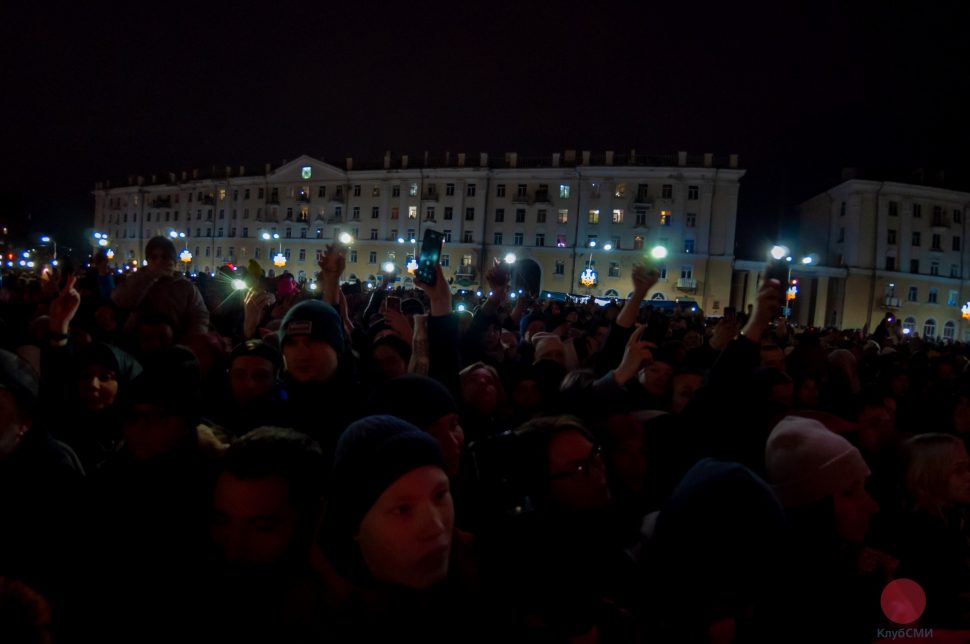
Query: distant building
(559, 215)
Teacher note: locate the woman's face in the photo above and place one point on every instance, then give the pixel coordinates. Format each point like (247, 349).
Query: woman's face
(854, 509)
(97, 387)
(577, 473)
(405, 538)
(958, 477)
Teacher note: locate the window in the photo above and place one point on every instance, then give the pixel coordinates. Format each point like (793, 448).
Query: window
(914, 266)
(952, 297)
(470, 190)
(446, 233)
(245, 214)
(449, 213)
(595, 191)
(560, 241)
(353, 256)
(690, 220)
(688, 245)
(890, 236)
(936, 243)
(563, 216)
(564, 191)
(540, 239)
(620, 191)
(842, 209)
(665, 217)
(395, 213)
(450, 189)
(302, 255)
(934, 268)
(373, 233)
(637, 242)
(687, 272)
(956, 242)
(894, 211)
(393, 234)
(245, 231)
(338, 212)
(937, 215)
(614, 269)
(467, 237)
(917, 210)
(375, 212)
(667, 192)
(692, 192)
(641, 217)
(931, 298)
(560, 268)
(322, 191)
(890, 263)
(497, 239)
(198, 232)
(375, 191)
(411, 233)
(517, 239)
(355, 213)
(957, 216)
(541, 216)
(591, 241)
(232, 232)
(469, 214)
(909, 323)
(413, 189)
(255, 252)
(218, 251)
(913, 294)
(445, 261)
(429, 213)
(954, 270)
(396, 191)
(289, 232)
(500, 190)
(617, 215)
(949, 331)
(432, 190)
(594, 216)
(259, 213)
(245, 193)
(499, 215)
(520, 215)
(207, 249)
(522, 190)
(319, 233)
(412, 212)
(372, 257)
(841, 234)
(929, 328)
(916, 238)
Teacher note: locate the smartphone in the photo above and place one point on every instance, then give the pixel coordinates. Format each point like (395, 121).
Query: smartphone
(394, 303)
(430, 254)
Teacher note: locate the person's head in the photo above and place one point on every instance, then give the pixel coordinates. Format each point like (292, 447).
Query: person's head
(806, 393)
(102, 373)
(267, 498)
(568, 471)
(772, 357)
(937, 473)
(549, 346)
(426, 404)
(286, 285)
(253, 369)
(154, 334)
(807, 464)
(163, 405)
(655, 378)
(390, 356)
(390, 516)
(876, 425)
(106, 317)
(160, 254)
(532, 324)
(481, 389)
(685, 384)
(312, 340)
(19, 391)
(25, 615)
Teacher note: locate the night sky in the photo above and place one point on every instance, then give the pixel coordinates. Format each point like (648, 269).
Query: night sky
(799, 91)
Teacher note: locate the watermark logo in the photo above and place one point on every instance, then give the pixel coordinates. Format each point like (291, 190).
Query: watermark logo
(903, 601)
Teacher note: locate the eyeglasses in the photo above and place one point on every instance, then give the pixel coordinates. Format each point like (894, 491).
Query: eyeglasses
(585, 467)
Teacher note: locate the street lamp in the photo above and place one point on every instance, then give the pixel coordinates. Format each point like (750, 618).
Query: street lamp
(510, 258)
(346, 239)
(658, 252)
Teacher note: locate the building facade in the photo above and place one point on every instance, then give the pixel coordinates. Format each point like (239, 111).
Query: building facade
(880, 247)
(558, 215)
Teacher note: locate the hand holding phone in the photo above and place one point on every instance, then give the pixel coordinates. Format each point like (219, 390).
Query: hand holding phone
(429, 257)
(394, 303)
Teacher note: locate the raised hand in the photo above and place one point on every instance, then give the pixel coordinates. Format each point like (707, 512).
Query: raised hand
(439, 295)
(399, 324)
(497, 278)
(254, 305)
(637, 351)
(64, 307)
(333, 262)
(644, 278)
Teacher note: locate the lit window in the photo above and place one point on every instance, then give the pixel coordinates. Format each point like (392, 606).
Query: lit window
(594, 216)
(665, 217)
(617, 215)
(564, 191)
(413, 190)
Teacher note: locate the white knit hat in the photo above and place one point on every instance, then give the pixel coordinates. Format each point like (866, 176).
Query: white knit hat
(805, 462)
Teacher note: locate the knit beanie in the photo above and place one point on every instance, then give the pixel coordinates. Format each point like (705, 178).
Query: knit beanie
(545, 343)
(172, 381)
(316, 319)
(419, 400)
(371, 455)
(805, 462)
(257, 349)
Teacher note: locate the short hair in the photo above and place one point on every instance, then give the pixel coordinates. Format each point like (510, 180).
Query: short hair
(279, 451)
(163, 244)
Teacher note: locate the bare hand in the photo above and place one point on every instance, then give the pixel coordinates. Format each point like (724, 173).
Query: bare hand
(255, 303)
(645, 277)
(439, 294)
(637, 351)
(333, 262)
(724, 331)
(498, 278)
(399, 324)
(64, 307)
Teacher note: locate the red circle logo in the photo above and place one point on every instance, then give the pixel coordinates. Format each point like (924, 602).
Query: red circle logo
(903, 601)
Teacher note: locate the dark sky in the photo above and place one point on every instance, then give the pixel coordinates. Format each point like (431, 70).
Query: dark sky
(799, 90)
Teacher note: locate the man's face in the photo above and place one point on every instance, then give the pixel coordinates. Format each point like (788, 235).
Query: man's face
(309, 360)
(405, 537)
(251, 378)
(12, 425)
(254, 522)
(684, 387)
(154, 338)
(479, 389)
(158, 261)
(388, 363)
(97, 387)
(655, 378)
(578, 473)
(152, 431)
(772, 357)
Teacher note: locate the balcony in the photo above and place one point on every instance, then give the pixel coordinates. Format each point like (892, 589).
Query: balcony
(429, 196)
(891, 303)
(468, 272)
(517, 198)
(642, 199)
(161, 202)
(542, 196)
(303, 198)
(687, 284)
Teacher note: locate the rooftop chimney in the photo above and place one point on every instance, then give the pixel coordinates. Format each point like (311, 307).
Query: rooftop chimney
(570, 156)
(681, 158)
(268, 168)
(426, 158)
(447, 157)
(609, 157)
(555, 159)
(511, 159)
(242, 171)
(848, 174)
(154, 179)
(404, 160)
(387, 160)
(585, 157)
(708, 159)
(733, 161)
(461, 159)
(633, 156)
(350, 163)
(483, 160)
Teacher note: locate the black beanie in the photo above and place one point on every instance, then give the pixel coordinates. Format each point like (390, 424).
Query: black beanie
(417, 399)
(371, 455)
(316, 319)
(171, 381)
(257, 349)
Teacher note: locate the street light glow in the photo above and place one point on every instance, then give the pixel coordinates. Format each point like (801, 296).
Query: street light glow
(102, 242)
(592, 243)
(608, 247)
(806, 260)
(238, 285)
(388, 267)
(779, 251)
(400, 240)
(45, 239)
(346, 238)
(510, 258)
(658, 252)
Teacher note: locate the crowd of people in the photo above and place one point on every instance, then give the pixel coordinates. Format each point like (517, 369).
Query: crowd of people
(183, 461)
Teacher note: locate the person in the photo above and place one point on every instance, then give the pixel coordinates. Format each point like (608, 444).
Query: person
(255, 396)
(933, 549)
(158, 289)
(386, 543)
